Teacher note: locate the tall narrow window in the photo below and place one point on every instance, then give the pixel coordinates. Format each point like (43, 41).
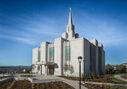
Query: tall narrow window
(51, 54)
(39, 57)
(67, 53)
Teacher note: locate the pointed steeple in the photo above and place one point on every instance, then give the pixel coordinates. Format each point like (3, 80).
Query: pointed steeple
(70, 18)
(70, 27)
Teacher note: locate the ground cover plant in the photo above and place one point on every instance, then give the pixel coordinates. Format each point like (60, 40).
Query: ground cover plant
(107, 78)
(93, 86)
(52, 85)
(22, 84)
(25, 84)
(5, 85)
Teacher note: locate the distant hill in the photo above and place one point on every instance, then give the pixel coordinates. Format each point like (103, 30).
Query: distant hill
(125, 63)
(14, 66)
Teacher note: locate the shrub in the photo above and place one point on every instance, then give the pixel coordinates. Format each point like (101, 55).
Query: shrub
(93, 75)
(109, 69)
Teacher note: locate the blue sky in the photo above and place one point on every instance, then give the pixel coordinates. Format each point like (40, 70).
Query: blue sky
(24, 24)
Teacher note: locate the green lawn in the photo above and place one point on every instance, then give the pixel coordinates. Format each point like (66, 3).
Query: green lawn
(114, 80)
(93, 86)
(124, 76)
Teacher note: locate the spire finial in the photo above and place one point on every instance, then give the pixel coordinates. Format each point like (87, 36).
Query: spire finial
(70, 17)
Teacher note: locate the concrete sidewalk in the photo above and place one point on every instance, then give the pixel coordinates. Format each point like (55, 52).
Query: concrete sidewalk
(44, 79)
(73, 83)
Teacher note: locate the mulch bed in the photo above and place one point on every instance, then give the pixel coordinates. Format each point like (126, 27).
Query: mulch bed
(100, 78)
(25, 84)
(52, 85)
(22, 84)
(5, 85)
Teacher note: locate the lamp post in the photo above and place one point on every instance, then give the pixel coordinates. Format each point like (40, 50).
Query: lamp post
(79, 60)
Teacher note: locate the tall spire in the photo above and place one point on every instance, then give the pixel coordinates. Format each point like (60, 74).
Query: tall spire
(70, 17)
(70, 27)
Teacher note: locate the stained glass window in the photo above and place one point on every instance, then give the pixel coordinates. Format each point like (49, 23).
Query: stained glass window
(39, 55)
(51, 54)
(67, 53)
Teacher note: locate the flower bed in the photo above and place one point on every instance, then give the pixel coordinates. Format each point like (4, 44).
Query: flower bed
(93, 86)
(25, 84)
(5, 85)
(52, 85)
(101, 78)
(22, 84)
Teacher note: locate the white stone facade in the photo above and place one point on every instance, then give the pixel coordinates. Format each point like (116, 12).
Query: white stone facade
(60, 57)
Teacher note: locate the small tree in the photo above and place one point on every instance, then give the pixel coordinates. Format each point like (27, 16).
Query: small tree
(84, 76)
(120, 68)
(109, 69)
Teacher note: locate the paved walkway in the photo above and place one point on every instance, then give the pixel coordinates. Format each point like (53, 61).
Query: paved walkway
(99, 83)
(73, 83)
(120, 78)
(44, 78)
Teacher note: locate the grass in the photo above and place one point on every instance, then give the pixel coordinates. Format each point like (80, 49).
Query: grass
(93, 86)
(124, 76)
(118, 81)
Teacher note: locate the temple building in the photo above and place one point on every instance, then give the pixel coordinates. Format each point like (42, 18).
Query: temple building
(60, 57)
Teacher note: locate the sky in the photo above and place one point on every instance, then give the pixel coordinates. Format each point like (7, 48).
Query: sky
(24, 24)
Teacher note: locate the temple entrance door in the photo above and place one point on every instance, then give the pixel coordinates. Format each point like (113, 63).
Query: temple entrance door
(51, 69)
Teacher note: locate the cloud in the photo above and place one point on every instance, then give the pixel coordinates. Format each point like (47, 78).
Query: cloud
(28, 41)
(29, 31)
(40, 27)
(16, 38)
(107, 31)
